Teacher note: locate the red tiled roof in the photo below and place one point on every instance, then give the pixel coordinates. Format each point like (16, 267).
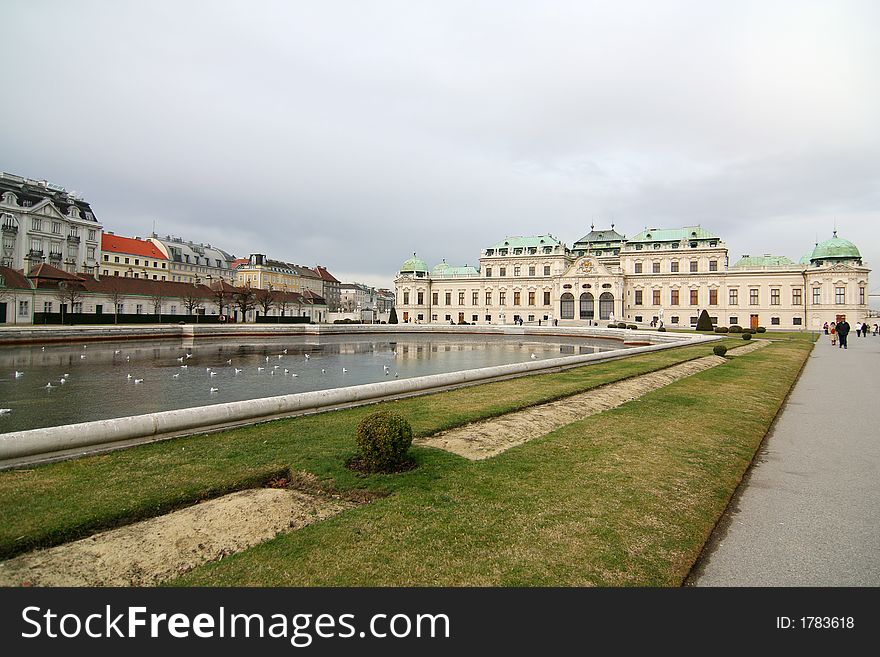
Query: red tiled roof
(15, 279)
(238, 262)
(326, 275)
(48, 272)
(119, 244)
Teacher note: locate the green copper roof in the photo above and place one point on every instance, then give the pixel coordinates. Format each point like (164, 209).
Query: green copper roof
(608, 235)
(444, 270)
(414, 264)
(806, 259)
(836, 248)
(674, 234)
(748, 262)
(526, 242)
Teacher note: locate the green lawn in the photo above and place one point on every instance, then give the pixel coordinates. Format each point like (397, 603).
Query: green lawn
(625, 497)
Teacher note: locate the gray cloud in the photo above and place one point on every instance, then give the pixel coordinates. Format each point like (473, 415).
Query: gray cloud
(353, 133)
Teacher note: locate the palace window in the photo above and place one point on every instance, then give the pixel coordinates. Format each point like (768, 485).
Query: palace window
(488, 298)
(840, 295)
(461, 298)
(655, 297)
(694, 266)
(695, 297)
(733, 320)
(713, 297)
(421, 298)
(93, 235)
(475, 297)
(796, 321)
(406, 298)
(36, 224)
(435, 298)
(531, 271)
(546, 298)
(673, 266)
(673, 297)
(502, 298)
(861, 296)
(488, 272)
(733, 297)
(797, 296)
(489, 318)
(656, 267)
(817, 296)
(502, 271)
(47, 306)
(638, 297)
(23, 308)
(448, 298)
(546, 270)
(753, 297)
(516, 299)
(638, 267)
(56, 227)
(531, 298)
(774, 296)
(774, 321)
(516, 271)
(713, 265)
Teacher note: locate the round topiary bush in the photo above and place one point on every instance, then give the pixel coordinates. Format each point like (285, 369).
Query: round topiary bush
(747, 336)
(612, 326)
(661, 330)
(633, 327)
(621, 324)
(761, 329)
(736, 329)
(383, 439)
(719, 350)
(721, 329)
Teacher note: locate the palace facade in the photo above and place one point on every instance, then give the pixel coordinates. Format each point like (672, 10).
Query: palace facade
(659, 275)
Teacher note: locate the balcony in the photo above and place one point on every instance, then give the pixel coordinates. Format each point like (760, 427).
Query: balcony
(73, 239)
(10, 228)
(35, 254)
(55, 256)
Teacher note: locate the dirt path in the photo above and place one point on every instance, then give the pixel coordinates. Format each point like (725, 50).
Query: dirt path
(488, 438)
(152, 551)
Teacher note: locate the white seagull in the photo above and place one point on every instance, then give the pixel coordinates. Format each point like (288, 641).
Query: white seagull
(286, 371)
(62, 381)
(128, 376)
(212, 373)
(117, 352)
(284, 351)
(138, 380)
(18, 374)
(183, 367)
(82, 357)
(5, 411)
(280, 356)
(260, 369)
(237, 370)
(344, 370)
(323, 371)
(215, 389)
(307, 356)
(229, 362)
(267, 359)
(188, 355)
(294, 374)
(533, 357)
(175, 376)
(48, 385)
(180, 360)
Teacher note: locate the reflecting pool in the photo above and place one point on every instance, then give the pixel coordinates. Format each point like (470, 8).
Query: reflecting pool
(54, 385)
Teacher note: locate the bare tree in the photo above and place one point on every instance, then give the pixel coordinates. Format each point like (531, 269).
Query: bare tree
(68, 294)
(266, 299)
(192, 299)
(281, 303)
(245, 299)
(114, 293)
(157, 298)
(222, 297)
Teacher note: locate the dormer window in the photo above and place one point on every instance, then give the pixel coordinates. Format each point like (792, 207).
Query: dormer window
(638, 247)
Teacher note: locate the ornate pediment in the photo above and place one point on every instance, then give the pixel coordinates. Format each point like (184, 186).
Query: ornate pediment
(587, 266)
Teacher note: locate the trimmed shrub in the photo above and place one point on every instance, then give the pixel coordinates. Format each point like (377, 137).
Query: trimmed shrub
(633, 327)
(761, 329)
(747, 336)
(383, 439)
(736, 329)
(704, 323)
(721, 329)
(719, 350)
(661, 330)
(612, 326)
(621, 324)
(392, 317)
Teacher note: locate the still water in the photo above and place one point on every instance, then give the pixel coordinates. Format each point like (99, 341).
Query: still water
(107, 380)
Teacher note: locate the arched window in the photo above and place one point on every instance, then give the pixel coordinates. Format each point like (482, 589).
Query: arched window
(587, 306)
(566, 306)
(606, 305)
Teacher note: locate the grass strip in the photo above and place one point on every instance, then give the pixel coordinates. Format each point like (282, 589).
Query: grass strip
(624, 498)
(55, 503)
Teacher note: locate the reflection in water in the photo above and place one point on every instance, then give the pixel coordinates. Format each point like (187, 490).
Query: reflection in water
(99, 377)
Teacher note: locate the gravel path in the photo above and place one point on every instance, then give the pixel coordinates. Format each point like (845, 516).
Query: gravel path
(149, 552)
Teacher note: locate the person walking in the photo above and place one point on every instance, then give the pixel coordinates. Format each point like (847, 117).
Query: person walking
(843, 329)
(833, 330)
(865, 329)
(858, 330)
(825, 326)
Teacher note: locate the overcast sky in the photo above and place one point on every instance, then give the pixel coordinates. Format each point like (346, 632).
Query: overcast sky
(353, 133)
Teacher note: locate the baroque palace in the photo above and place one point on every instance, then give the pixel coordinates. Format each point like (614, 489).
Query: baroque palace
(659, 275)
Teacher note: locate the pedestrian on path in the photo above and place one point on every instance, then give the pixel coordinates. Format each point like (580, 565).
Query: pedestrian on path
(843, 331)
(833, 330)
(865, 329)
(825, 326)
(858, 330)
